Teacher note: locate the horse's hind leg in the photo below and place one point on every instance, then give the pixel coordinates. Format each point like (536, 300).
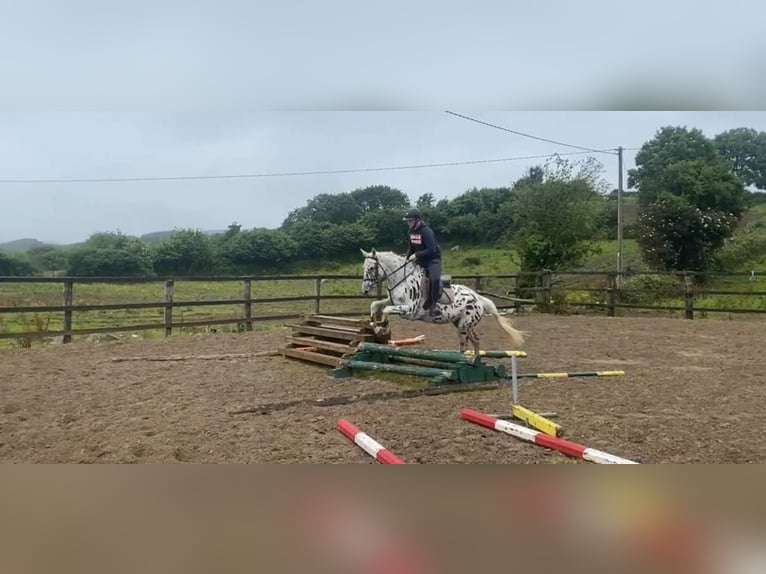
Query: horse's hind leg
(473, 336)
(462, 334)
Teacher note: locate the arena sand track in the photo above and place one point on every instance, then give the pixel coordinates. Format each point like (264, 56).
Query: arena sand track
(694, 392)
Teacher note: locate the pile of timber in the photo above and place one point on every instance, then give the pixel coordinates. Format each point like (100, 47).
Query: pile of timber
(327, 339)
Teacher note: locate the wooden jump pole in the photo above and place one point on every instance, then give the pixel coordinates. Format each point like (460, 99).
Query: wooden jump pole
(367, 443)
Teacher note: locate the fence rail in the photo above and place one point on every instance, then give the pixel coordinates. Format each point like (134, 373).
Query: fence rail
(545, 290)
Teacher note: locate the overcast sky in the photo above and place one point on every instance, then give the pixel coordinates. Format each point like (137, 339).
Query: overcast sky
(101, 145)
(166, 88)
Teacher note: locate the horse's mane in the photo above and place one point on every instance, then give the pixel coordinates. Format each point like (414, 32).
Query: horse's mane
(391, 254)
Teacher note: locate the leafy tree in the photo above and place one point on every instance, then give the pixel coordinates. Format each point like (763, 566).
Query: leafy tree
(673, 234)
(747, 246)
(535, 174)
(49, 257)
(745, 151)
(557, 218)
(387, 228)
(437, 215)
(260, 247)
(466, 227)
(110, 254)
(323, 241)
(87, 261)
(377, 197)
(185, 252)
(16, 265)
(326, 208)
(341, 241)
(705, 184)
(425, 201)
(478, 201)
(669, 145)
(231, 231)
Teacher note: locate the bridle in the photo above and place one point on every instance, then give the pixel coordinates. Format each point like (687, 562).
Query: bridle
(377, 280)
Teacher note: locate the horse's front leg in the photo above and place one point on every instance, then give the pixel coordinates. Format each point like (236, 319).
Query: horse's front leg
(376, 306)
(403, 310)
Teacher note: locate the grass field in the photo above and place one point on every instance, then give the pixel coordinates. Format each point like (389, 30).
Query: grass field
(468, 261)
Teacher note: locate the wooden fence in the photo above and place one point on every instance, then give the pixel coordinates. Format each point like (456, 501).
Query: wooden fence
(548, 292)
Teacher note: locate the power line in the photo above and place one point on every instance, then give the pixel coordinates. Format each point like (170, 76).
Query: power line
(285, 174)
(609, 151)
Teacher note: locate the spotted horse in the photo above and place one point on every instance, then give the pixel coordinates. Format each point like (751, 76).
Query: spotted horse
(405, 281)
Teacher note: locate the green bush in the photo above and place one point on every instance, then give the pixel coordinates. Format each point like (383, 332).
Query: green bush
(662, 287)
(746, 247)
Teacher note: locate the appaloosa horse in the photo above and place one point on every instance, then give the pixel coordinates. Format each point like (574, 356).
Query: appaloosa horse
(459, 305)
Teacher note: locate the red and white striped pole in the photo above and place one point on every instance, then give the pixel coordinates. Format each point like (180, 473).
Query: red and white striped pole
(542, 439)
(367, 443)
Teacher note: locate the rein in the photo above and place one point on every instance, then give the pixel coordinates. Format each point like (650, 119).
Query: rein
(379, 279)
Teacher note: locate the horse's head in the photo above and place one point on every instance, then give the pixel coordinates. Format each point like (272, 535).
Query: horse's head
(372, 274)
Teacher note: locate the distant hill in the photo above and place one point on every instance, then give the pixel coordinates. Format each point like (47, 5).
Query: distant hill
(21, 245)
(27, 244)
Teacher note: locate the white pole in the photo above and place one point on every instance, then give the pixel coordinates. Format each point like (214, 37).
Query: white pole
(514, 381)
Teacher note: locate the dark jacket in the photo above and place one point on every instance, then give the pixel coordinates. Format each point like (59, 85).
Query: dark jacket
(424, 245)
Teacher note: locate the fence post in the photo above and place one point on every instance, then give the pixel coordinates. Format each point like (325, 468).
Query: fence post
(68, 298)
(247, 295)
(688, 296)
(169, 288)
(547, 285)
(611, 289)
(517, 293)
(477, 283)
(318, 294)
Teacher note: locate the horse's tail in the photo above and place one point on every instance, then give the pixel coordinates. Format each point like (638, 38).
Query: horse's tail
(505, 324)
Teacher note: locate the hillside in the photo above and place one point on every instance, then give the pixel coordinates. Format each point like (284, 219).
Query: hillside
(22, 245)
(27, 244)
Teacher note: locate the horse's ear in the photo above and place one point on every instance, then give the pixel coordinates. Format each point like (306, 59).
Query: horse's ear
(363, 252)
(373, 252)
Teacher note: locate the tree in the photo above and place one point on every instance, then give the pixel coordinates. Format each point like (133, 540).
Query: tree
(673, 234)
(535, 174)
(387, 228)
(377, 197)
(15, 264)
(690, 199)
(745, 151)
(231, 231)
(708, 185)
(557, 218)
(476, 201)
(326, 208)
(425, 201)
(669, 145)
(437, 215)
(323, 241)
(49, 257)
(87, 261)
(185, 252)
(261, 247)
(110, 254)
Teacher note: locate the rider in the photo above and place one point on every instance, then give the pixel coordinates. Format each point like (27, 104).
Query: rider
(425, 251)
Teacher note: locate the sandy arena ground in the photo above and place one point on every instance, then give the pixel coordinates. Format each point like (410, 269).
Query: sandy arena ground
(694, 392)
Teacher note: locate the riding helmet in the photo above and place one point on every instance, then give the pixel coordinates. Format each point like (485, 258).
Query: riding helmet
(413, 213)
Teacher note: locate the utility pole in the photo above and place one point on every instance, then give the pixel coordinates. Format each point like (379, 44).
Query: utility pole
(619, 218)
